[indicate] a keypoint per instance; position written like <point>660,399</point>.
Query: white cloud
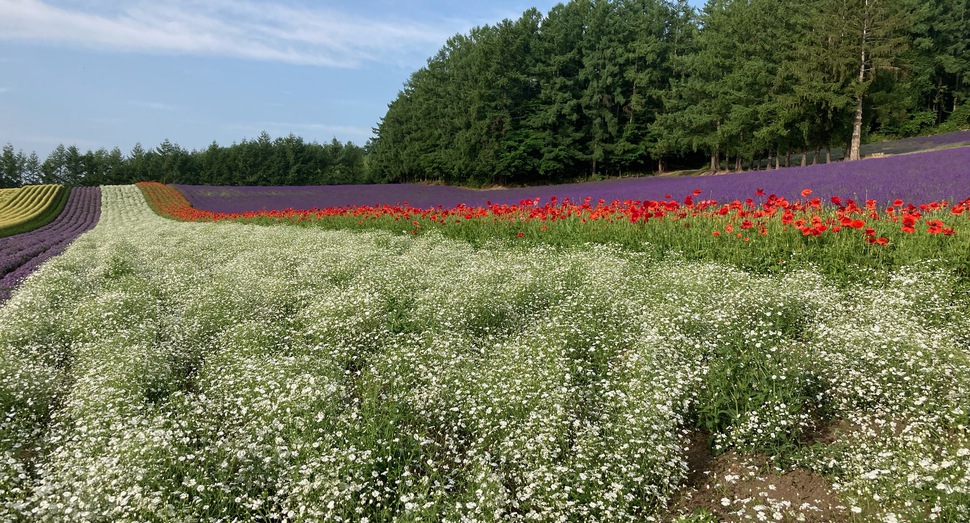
<point>246,29</point>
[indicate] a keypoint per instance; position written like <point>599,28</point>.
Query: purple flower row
<point>916,178</point>
<point>22,254</point>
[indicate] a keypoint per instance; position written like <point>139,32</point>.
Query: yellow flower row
<point>20,207</point>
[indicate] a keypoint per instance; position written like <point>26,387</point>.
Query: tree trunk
<point>660,166</point>
<point>856,142</point>
<point>818,150</point>
<point>939,102</point>
<point>714,160</point>
<point>777,160</point>
<point>828,154</point>
<point>787,157</point>
<point>804,157</point>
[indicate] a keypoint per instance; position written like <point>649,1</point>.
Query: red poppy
<point>806,192</point>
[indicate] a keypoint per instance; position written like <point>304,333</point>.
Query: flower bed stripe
<point>920,177</point>
<point>22,254</point>
<point>31,207</point>
<point>6,194</point>
<point>764,232</point>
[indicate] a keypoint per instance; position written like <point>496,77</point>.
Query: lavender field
<point>919,177</point>
<point>22,254</point>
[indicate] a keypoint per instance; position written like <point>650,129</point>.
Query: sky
<point>111,73</point>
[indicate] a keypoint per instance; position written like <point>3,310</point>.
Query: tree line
<point>601,87</point>
<point>610,88</point>
<point>286,160</point>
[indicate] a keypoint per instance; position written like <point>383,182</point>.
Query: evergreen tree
<point>556,120</point>
<point>11,167</point>
<point>867,37</point>
<point>54,168</point>
<point>939,61</point>
<point>32,173</point>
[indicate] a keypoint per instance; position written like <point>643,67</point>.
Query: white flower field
<point>169,371</point>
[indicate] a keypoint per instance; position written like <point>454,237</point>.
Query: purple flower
<point>915,178</point>
<point>22,254</point>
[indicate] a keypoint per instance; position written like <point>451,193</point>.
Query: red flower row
<point>809,216</point>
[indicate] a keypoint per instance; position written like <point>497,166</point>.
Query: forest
<point>609,88</point>
<point>264,161</point>
<point>599,88</point>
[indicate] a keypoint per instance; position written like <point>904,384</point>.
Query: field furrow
<point>31,207</point>
<point>23,253</point>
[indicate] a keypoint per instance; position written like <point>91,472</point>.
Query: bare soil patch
<point>740,487</point>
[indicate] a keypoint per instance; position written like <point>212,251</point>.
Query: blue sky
<point>106,73</point>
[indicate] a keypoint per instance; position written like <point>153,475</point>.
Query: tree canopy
<point>286,160</point>
<point>610,87</point>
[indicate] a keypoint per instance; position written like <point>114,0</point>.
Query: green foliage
<point>755,383</point>
<point>286,160</point>
<point>12,166</point>
<point>535,100</point>
<point>609,88</point>
<point>780,250</point>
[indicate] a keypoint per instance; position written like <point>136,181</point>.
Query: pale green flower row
<point>174,371</point>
